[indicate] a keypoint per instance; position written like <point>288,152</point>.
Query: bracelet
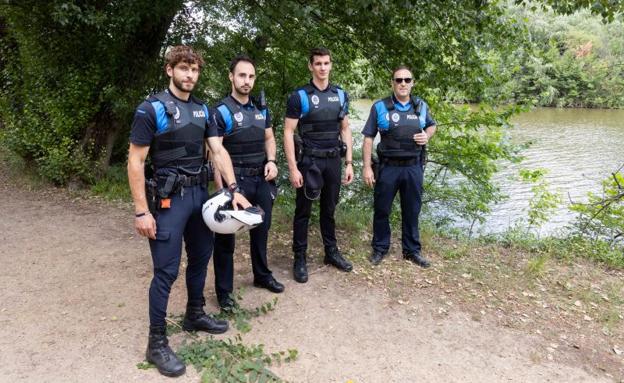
<point>348,163</point>
<point>139,215</point>
<point>272,161</point>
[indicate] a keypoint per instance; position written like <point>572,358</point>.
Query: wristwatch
<point>348,163</point>
<point>233,188</point>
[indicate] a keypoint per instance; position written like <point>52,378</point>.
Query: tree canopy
<point>73,71</point>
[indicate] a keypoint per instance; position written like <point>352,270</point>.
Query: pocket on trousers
<point>162,235</point>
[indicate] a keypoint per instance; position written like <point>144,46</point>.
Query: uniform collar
<point>329,85</point>
<point>248,105</point>
<point>179,99</point>
<point>401,106</point>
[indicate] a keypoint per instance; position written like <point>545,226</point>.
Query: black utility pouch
<point>343,149</point>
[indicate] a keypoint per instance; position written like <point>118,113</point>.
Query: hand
<point>146,226</point>
<point>421,138</point>
<point>348,176</point>
<point>296,179</point>
<point>239,200</point>
<point>369,176</point>
<point>270,171</point>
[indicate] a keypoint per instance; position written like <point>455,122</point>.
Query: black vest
<point>244,133</point>
<point>397,128</point>
<point>180,128</point>
<point>321,114</point>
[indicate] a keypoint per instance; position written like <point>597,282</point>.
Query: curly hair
<point>182,53</point>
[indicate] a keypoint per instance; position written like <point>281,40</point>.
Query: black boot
<point>159,353</point>
<point>334,258</point>
<point>195,319</point>
<point>300,270</point>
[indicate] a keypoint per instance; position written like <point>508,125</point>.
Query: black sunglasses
<point>407,80</point>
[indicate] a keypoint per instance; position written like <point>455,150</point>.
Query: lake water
<point>578,147</point>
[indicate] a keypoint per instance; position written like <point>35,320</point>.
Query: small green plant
<point>229,360</point>
<point>536,266</point>
<point>241,316</point>
<point>544,202</point>
<point>232,361</point>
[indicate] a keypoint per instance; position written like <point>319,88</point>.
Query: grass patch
<point>114,185</point>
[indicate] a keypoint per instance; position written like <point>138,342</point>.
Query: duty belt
<point>399,162</point>
<point>249,172</point>
<point>187,181</point>
<point>322,153</point>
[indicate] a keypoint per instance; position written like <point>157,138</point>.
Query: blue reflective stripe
<point>341,96</point>
<point>305,106</point>
<point>383,122</point>
<point>263,111</point>
<point>206,112</point>
<point>423,115</point>
<point>227,118</point>
<point>162,122</point>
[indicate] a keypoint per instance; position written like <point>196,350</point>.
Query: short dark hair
<point>239,58</point>
<point>319,51</point>
<point>401,67</point>
<point>182,53</point>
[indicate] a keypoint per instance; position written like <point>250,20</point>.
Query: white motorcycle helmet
<point>220,218</point>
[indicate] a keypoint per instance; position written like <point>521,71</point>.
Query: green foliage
<point>463,156</point>
<point>602,217</point>
<point>232,361</point>
<point>241,316</point>
<point>565,61</point>
<point>75,74</point>
<point>544,202</point>
<point>229,360</point>
<point>568,247</point>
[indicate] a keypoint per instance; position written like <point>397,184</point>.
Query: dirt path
<point>73,308</point>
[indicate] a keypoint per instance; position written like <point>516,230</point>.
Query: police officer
<point>405,126</point>
<point>247,134</point>
<point>172,127</point>
<point>318,110</point>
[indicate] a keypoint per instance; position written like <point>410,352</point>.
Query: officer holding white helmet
<point>244,125</point>
<point>172,127</point>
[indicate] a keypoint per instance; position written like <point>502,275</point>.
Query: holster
<point>151,195</point>
<point>298,147</point>
<point>343,149</point>
<point>376,165</point>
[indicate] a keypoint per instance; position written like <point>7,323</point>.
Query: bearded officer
<point>247,134</point>
<point>172,127</point>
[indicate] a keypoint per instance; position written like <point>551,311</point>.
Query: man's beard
<point>180,86</point>
<point>241,91</point>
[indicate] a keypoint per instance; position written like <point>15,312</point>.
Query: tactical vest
<point>321,113</point>
<point>397,128</point>
<point>244,133</point>
<point>179,139</point>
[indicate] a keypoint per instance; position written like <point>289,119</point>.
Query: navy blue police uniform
<point>401,168</point>
<point>176,131</point>
<point>320,112</point>
<point>243,128</point>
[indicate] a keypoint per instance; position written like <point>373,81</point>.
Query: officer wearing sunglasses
<point>405,126</point>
